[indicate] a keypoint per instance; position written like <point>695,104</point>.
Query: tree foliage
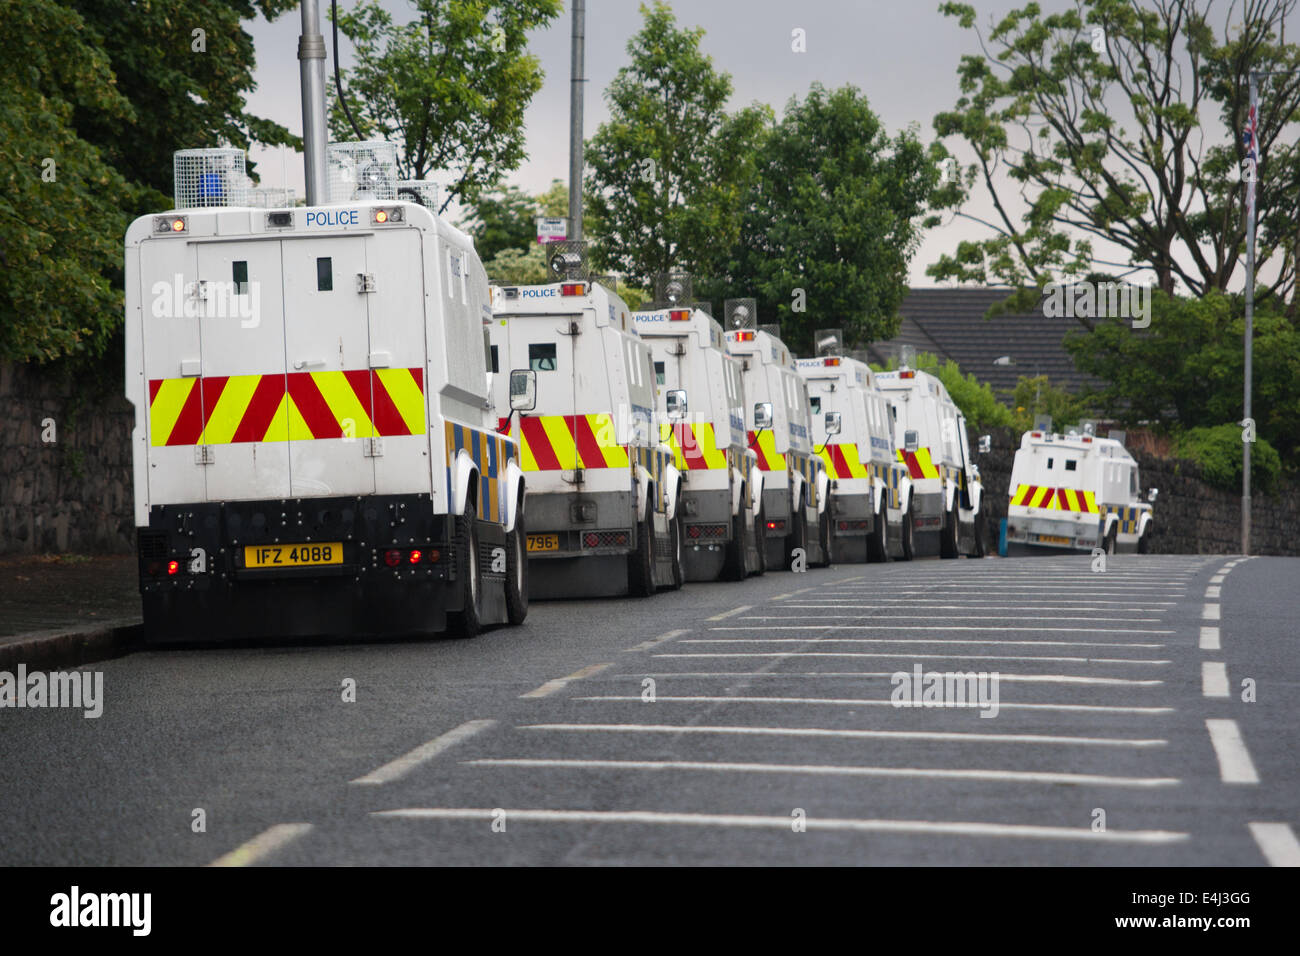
<point>1217,449</point>
<point>1119,121</point>
<point>449,88</point>
<point>506,218</point>
<point>832,219</point>
<point>668,171</point>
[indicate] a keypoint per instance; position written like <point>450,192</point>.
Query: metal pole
<point>575,119</point>
<point>311,71</point>
<point>1250,304</point>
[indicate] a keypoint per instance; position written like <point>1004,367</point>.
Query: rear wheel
<point>948,537</point>
<point>824,538</point>
<point>1109,544</point>
<point>908,530</point>
<point>797,539</point>
<point>878,540</point>
<point>760,540</point>
<point>468,621</point>
<point>640,563</point>
<point>1144,542</point>
<point>733,563</point>
<point>678,543</point>
<point>980,550</point>
<point>517,570</point>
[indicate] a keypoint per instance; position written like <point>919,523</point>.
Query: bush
<point>1217,450</point>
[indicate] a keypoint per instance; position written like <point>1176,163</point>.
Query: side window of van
<point>541,356</point>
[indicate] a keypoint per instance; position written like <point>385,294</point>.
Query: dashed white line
<point>1002,676</point>
<point>1211,612</point>
<point>1212,592</point>
<point>263,845</point>
<point>939,627</point>
<point>909,655</point>
<point>953,736</point>
<point>551,686</point>
<point>1218,578</point>
<point>657,818</point>
<point>1277,842</point>
<point>908,640</point>
<point>832,770</point>
<point>403,765</point>
<point>873,702</point>
<point>1235,765</point>
<point>1214,679</point>
<point>734,611</point>
<point>655,642</point>
<point>1210,639</point>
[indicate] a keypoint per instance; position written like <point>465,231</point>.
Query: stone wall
<point>1191,516</point>
<point>72,493</point>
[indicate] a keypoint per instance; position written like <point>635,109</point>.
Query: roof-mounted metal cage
<point>268,197</point>
<point>362,171</point>
<point>741,313</point>
<point>771,328</point>
<point>422,191</point>
<point>567,259</point>
<point>829,342</point>
<point>673,290</point>
<point>209,177</point>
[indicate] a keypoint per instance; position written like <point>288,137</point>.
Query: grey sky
<point>902,54</point>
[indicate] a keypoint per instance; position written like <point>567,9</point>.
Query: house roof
<point>950,324</point>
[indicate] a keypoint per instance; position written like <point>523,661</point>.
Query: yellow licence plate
<point>1053,539</point>
<point>293,555</point>
<point>543,542</point>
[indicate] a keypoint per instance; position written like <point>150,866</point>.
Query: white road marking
<point>906,640</point>
<point>1212,591</point>
<point>551,686</point>
<point>1209,639</point>
<point>1277,842</point>
<point>908,655</point>
<point>957,736</point>
<point>726,614</point>
<point>263,845</point>
<point>403,765</point>
<point>872,702</point>
<point>1214,679</point>
<point>754,821</point>
<point>939,627</point>
<point>932,773</point>
<point>930,616</point>
<point>1235,765</point>
<point>961,609</point>
<point>1218,578</point>
<point>655,642</point>
<point>1002,676</point>
<point>1211,612</point>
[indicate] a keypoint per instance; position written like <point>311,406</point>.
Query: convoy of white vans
<point>341,427</point>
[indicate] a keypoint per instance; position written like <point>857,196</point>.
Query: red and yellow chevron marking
<point>694,446</point>
<point>564,442</point>
<point>765,448</point>
<point>299,406</point>
<point>842,461</point>
<point>918,463</point>
<point>1055,499</point>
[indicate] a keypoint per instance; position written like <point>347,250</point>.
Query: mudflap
<point>492,573</point>
<point>602,575</point>
<point>925,544</point>
<point>663,564</point>
<point>704,563</point>
<point>851,548</point>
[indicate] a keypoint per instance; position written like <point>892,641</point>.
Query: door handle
<point>309,363</point>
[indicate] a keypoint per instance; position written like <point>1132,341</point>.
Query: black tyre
<point>678,545</point>
<point>878,539</point>
<point>734,567</point>
<point>641,562</point>
<point>907,534</point>
<point>948,537</point>
<point>1144,542</point>
<point>1111,536</point>
<point>980,550</point>
<point>824,538</point>
<point>467,622</point>
<point>798,536</point>
<point>760,540</point>
<point>517,571</point>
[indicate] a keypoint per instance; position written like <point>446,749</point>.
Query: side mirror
<point>833,423</point>
<point>1151,495</point>
<point>676,404</point>
<point>762,416</point>
<point>523,390</point>
<point>986,444</point>
<point>910,441</point>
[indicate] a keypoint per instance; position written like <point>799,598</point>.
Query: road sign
<point>551,230</point>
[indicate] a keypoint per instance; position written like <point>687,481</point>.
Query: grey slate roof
<point>950,323</point>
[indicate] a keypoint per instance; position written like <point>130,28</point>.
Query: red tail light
<point>679,315</point>
<point>591,540</point>
<point>173,567</point>
<point>392,558</point>
<point>414,557</point>
<point>573,288</point>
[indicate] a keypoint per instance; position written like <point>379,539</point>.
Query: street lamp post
<point>1252,158</point>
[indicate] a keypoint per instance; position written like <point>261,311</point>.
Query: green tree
<point>449,88</point>
<point>832,220</point>
<point>1094,116</point>
<point>1217,450</point>
<point>1035,395</point>
<point>60,201</point>
<point>186,89</point>
<point>668,171</point>
<point>1186,369</point>
<point>506,218</point>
